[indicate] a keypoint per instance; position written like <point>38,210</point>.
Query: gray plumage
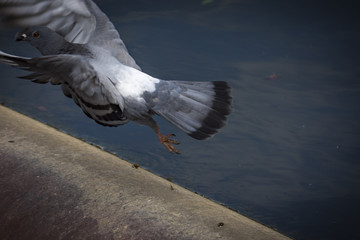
<point>83,52</point>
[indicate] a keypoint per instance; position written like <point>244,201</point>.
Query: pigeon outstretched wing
<point>79,81</point>
<point>78,21</point>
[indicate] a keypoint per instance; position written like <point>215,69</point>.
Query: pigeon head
<point>47,41</point>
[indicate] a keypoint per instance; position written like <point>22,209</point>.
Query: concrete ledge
<point>53,186</point>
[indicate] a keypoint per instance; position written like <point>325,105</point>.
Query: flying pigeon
<point>82,51</point>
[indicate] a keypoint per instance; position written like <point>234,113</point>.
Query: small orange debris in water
<point>42,108</point>
<point>272,77</point>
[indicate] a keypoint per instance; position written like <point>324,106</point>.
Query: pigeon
<point>82,51</point>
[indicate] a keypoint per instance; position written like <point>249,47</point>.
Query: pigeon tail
<point>197,108</point>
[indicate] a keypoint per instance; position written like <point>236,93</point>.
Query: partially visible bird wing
<point>79,81</point>
<point>70,18</point>
<point>78,21</point>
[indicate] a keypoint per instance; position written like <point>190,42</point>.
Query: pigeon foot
<point>168,142</point>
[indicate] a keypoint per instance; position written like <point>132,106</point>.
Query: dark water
<point>289,156</point>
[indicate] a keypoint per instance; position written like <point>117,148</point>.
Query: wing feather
<point>97,97</point>
<point>78,21</point>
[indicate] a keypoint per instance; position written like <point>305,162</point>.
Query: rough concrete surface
<point>54,186</point>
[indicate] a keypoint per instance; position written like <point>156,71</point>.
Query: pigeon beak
<point>20,37</point>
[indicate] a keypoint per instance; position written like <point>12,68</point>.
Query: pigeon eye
<point>36,34</point>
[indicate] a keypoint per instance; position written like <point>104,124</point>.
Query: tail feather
<point>197,108</point>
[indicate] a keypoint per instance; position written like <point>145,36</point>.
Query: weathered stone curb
<point>54,186</point>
